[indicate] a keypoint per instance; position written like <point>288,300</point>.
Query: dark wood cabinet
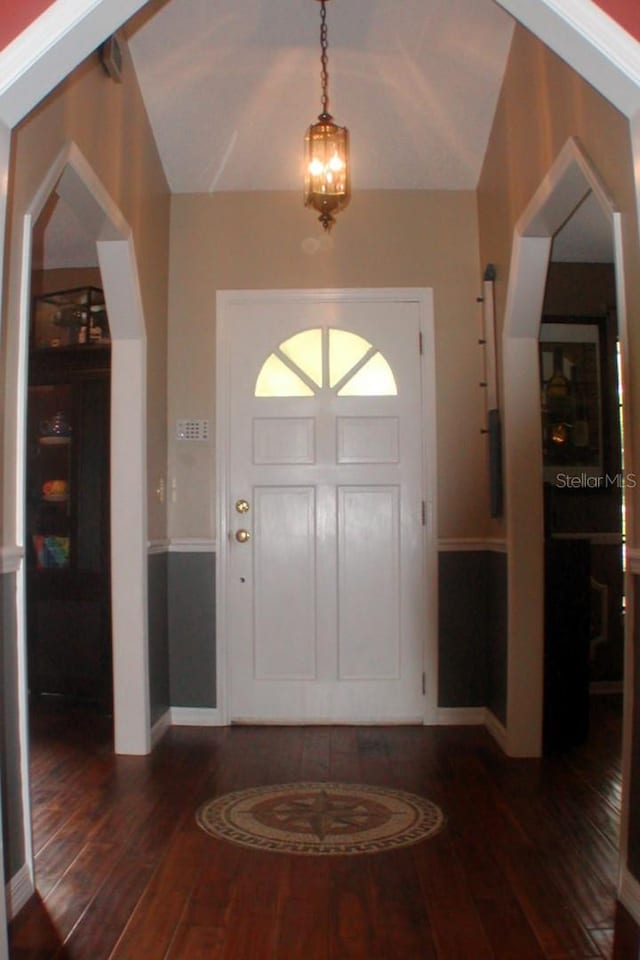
<point>567,640</point>
<point>67,518</point>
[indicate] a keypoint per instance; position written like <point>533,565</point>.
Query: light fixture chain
<point>324,59</point>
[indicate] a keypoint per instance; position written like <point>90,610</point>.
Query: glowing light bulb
<point>336,163</point>
<point>316,167</point>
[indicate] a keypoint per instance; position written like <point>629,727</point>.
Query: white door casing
<point>324,612</point>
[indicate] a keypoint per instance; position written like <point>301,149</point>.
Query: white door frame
<point>424,299</point>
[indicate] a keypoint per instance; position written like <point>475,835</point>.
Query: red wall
<point>15,15</point>
<point>626,12</point>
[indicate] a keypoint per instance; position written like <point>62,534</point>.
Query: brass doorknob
<point>242,506</point>
<point>242,536</point>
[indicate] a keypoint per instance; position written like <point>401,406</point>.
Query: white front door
<point>325,582</point>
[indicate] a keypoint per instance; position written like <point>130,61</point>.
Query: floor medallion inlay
<point>321,818</point>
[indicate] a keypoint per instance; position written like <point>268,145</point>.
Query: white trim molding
<point>497,729</point>
<point>590,41</point>
<point>196,717</point>
<point>52,46</point>
<point>192,545</point>
<point>11,559</point>
<point>469,545</point>
<point>160,727</point>
<point>473,717</point>
<point>629,893</point>
<point>181,545</point>
<point>157,546</point>
<point>19,889</point>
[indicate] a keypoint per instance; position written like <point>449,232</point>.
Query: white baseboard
<point>460,716</point>
<point>497,729</point>
<point>473,717</point>
<point>19,889</point>
<point>629,894</point>
<point>196,717</point>
<point>160,727</point>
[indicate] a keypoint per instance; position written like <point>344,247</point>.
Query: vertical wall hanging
<point>489,383</point>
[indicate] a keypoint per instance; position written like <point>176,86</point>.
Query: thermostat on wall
<point>192,429</point>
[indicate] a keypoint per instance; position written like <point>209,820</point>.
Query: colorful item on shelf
<point>55,488</point>
<point>51,551</point>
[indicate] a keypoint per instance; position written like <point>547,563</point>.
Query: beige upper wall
<point>384,239</point>
<point>109,124</point>
<point>542,104</point>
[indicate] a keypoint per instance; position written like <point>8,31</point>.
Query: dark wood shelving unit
<point>67,517</point>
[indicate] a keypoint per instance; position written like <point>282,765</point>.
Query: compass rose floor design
<point>321,818</point>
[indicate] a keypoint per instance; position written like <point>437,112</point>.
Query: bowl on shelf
<point>55,490</point>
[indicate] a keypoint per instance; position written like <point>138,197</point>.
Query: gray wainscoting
<point>159,682</point>
<point>497,635</point>
<point>192,629</point>
<point>473,630</point>
<point>14,851</point>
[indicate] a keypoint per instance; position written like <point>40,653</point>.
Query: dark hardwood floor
<point>525,868</point>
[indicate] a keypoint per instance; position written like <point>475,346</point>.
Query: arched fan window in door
<point>317,359</point>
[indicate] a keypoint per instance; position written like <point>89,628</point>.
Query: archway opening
<point>71,179</point>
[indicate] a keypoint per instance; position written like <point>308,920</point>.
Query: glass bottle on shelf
<point>49,476</point>
<point>559,405</point>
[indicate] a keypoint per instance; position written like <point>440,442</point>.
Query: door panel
<point>284,583</point>
<point>368,583</point>
<point>367,439</point>
<point>326,601</point>
<point>283,440</point>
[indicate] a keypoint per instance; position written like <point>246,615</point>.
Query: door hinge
<point>424,684</point>
<point>424,514</point>
<point>420,342</point>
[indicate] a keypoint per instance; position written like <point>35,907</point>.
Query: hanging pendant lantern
<point>327,186</point>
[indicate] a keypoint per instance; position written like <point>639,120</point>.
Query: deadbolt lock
<point>242,506</point>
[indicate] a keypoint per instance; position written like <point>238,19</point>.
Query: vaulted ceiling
<point>231,86</point>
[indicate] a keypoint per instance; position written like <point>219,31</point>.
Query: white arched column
<point>71,178</point>
<point>570,179</point>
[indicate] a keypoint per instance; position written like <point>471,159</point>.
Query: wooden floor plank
<point>454,918</point>
<point>304,912</point>
<point>399,909</point>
